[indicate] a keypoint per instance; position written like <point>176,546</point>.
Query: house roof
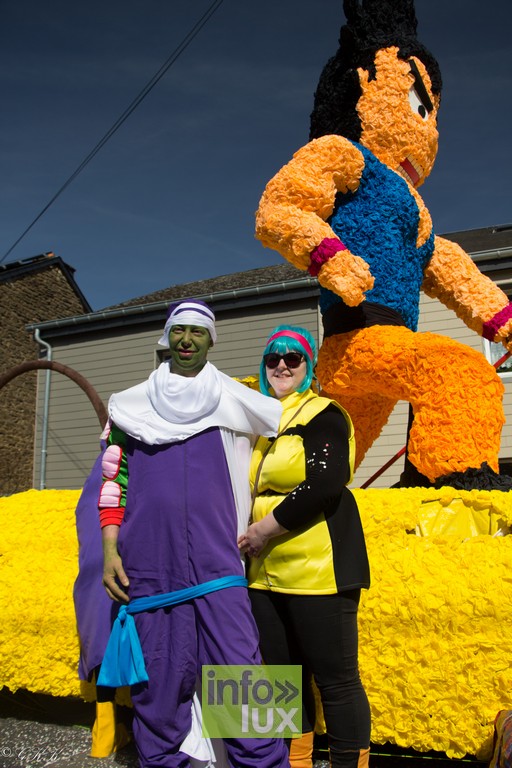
<point>483,240</point>
<point>13,270</point>
<point>252,278</point>
<point>488,242</point>
<point>225,293</point>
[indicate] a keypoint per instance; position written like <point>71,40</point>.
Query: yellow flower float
<point>435,626</point>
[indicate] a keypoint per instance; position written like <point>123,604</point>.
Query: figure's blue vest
<point>379,222</point>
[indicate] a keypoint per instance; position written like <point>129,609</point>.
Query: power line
<point>128,111</point>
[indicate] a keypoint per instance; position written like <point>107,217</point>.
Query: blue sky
<point>171,197</point>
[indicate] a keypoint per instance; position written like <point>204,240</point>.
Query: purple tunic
<point>180,525</point>
<point>179,530</point>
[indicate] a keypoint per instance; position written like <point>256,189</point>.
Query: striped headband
<point>298,337</point>
<point>189,313</point>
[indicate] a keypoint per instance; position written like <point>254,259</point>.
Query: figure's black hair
<point>371,25</point>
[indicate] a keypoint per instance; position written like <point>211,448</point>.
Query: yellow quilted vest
<point>300,561</point>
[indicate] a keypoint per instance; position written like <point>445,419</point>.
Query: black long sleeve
<point>326,449</point>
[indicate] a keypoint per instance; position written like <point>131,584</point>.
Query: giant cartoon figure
<point>346,208</point>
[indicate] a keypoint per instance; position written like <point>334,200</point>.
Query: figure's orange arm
<point>293,210</point>
<point>454,279</point>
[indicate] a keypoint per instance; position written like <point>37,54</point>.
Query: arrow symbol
<point>288,691</point>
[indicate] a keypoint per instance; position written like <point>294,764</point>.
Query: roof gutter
<point>494,253</point>
<point>222,300</point>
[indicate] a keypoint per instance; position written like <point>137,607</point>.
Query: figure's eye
<point>419,98</point>
<point>417,106</point>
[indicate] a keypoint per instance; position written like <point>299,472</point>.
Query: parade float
<point>435,627</point>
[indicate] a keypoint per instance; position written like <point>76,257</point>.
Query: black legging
<point>320,633</point>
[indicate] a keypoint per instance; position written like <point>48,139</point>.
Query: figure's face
<point>399,115</point>
<point>189,345</point>
<point>285,378</point>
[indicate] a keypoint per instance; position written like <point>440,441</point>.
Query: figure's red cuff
<point>111,516</point>
<point>491,327</point>
<point>328,248</point>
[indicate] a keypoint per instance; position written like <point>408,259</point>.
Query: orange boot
<point>301,751</point>
<point>364,758</point>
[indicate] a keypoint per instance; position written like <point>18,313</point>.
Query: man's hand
<point>347,276</point>
<point>113,571</point>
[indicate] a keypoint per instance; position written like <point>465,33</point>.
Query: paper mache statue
<point>346,208</point>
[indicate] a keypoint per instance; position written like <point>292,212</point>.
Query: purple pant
<point>214,629</point>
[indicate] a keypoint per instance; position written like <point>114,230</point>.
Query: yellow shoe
<point>107,735</point>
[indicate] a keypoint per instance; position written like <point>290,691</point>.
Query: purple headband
<point>189,312</point>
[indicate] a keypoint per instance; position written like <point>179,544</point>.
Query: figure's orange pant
<point>456,395</point>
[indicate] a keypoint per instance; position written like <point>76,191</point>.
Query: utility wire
<point>128,111</point>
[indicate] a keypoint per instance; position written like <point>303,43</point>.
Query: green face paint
<point>189,345</point>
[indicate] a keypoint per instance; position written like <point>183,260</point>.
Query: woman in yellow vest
<point>308,558</point>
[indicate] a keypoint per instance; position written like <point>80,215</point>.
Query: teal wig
<point>299,340</point>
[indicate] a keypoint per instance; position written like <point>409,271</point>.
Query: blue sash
<point>123,662</point>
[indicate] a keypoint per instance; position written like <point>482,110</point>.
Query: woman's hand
<point>253,540</point>
<point>113,571</point>
<point>256,537</point>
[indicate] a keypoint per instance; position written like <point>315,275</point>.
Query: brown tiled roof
<point>249,279</point>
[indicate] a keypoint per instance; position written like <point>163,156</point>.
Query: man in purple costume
<point>174,498</point>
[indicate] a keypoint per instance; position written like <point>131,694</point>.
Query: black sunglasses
<point>291,359</point>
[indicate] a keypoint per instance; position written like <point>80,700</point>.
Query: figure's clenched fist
<point>348,276</point>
